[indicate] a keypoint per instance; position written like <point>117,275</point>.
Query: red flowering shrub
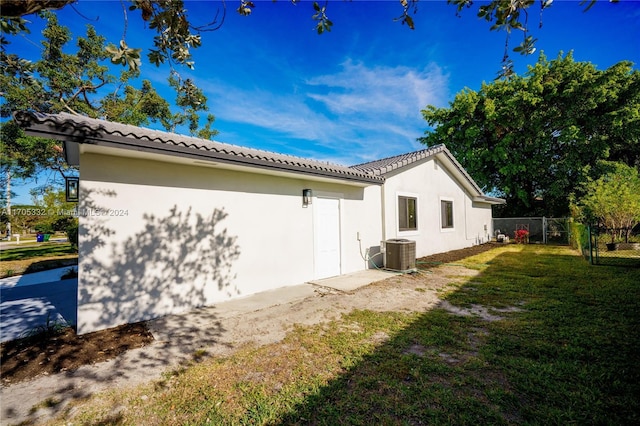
<point>521,236</point>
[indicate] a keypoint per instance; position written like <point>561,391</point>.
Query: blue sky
<point>353,94</point>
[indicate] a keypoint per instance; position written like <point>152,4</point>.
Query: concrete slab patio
<point>353,281</point>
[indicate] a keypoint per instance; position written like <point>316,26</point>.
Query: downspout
<point>466,225</point>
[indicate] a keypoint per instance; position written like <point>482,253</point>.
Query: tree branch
<point>18,8</point>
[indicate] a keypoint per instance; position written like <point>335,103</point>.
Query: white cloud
<point>355,115</point>
<point>397,91</point>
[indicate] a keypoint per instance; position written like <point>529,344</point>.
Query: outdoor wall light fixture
<point>306,197</point>
<point>72,189</point>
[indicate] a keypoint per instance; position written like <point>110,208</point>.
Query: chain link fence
<point>542,230</point>
<point>615,247</point>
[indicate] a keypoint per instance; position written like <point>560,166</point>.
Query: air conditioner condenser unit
<point>400,255</point>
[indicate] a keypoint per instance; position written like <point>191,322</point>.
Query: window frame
<point>407,230</point>
<point>445,214</point>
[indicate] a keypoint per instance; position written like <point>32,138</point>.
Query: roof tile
<point>90,130</point>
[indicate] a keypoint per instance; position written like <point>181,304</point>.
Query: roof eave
<point>490,200</point>
<point>67,132</point>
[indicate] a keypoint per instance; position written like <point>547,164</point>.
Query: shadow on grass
<point>565,351</point>
<point>45,265</point>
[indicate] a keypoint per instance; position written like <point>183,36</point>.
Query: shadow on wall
<point>176,262</point>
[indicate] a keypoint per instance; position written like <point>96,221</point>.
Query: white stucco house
<point>169,222</point>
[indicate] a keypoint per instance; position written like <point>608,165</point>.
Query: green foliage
<point>44,228</point>
<point>533,139</point>
<point>59,214</point>
<point>579,235</point>
<point>52,327</point>
<point>323,23</point>
<point>612,200</point>
<point>24,218</point>
<point>72,234</point>
<point>124,55</point>
<point>75,81</point>
<point>22,156</point>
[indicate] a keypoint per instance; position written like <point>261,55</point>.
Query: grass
<point>21,260</point>
<point>41,250</point>
<point>569,354</point>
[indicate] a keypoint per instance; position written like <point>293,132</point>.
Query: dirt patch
<point>55,352</point>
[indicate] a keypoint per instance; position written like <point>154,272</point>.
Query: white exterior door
<point>327,237</point>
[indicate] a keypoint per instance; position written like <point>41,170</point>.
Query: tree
<point>533,139</point>
<point>22,157</point>
<point>59,214</point>
<point>81,82</point>
<point>612,200</point>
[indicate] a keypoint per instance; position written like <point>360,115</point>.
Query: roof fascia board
<point>459,171</point>
<point>489,200</point>
<point>70,133</point>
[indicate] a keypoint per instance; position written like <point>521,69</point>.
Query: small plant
<point>50,328</point>
<point>199,355</point>
<point>521,236</point>
<point>50,402</point>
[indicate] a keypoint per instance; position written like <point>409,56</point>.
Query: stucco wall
<point>430,182</point>
<point>159,238</point>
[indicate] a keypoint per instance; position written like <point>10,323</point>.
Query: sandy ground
<point>219,336</point>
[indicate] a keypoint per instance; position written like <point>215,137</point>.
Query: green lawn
<point>566,351</point>
<point>28,259</point>
<point>41,250</point>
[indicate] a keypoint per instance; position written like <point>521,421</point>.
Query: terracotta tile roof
<point>82,129</point>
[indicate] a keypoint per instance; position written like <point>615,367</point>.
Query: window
<point>446,214</point>
<point>407,213</point>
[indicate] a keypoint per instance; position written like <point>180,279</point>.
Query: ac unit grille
<point>400,255</point>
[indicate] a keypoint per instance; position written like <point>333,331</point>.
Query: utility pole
<point>8,205</point>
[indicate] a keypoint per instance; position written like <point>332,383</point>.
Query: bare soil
<point>129,355</point>
<point>55,351</point>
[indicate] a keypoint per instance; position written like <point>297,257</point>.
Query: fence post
<point>590,246</point>
<point>545,229</point>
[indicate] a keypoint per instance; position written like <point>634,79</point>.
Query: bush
<point>579,237</point>
<point>72,234</point>
<point>44,228</point>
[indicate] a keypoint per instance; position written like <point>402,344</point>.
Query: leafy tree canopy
<point>82,82</point>
<point>79,79</point>
<point>534,139</point>
<point>612,200</point>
